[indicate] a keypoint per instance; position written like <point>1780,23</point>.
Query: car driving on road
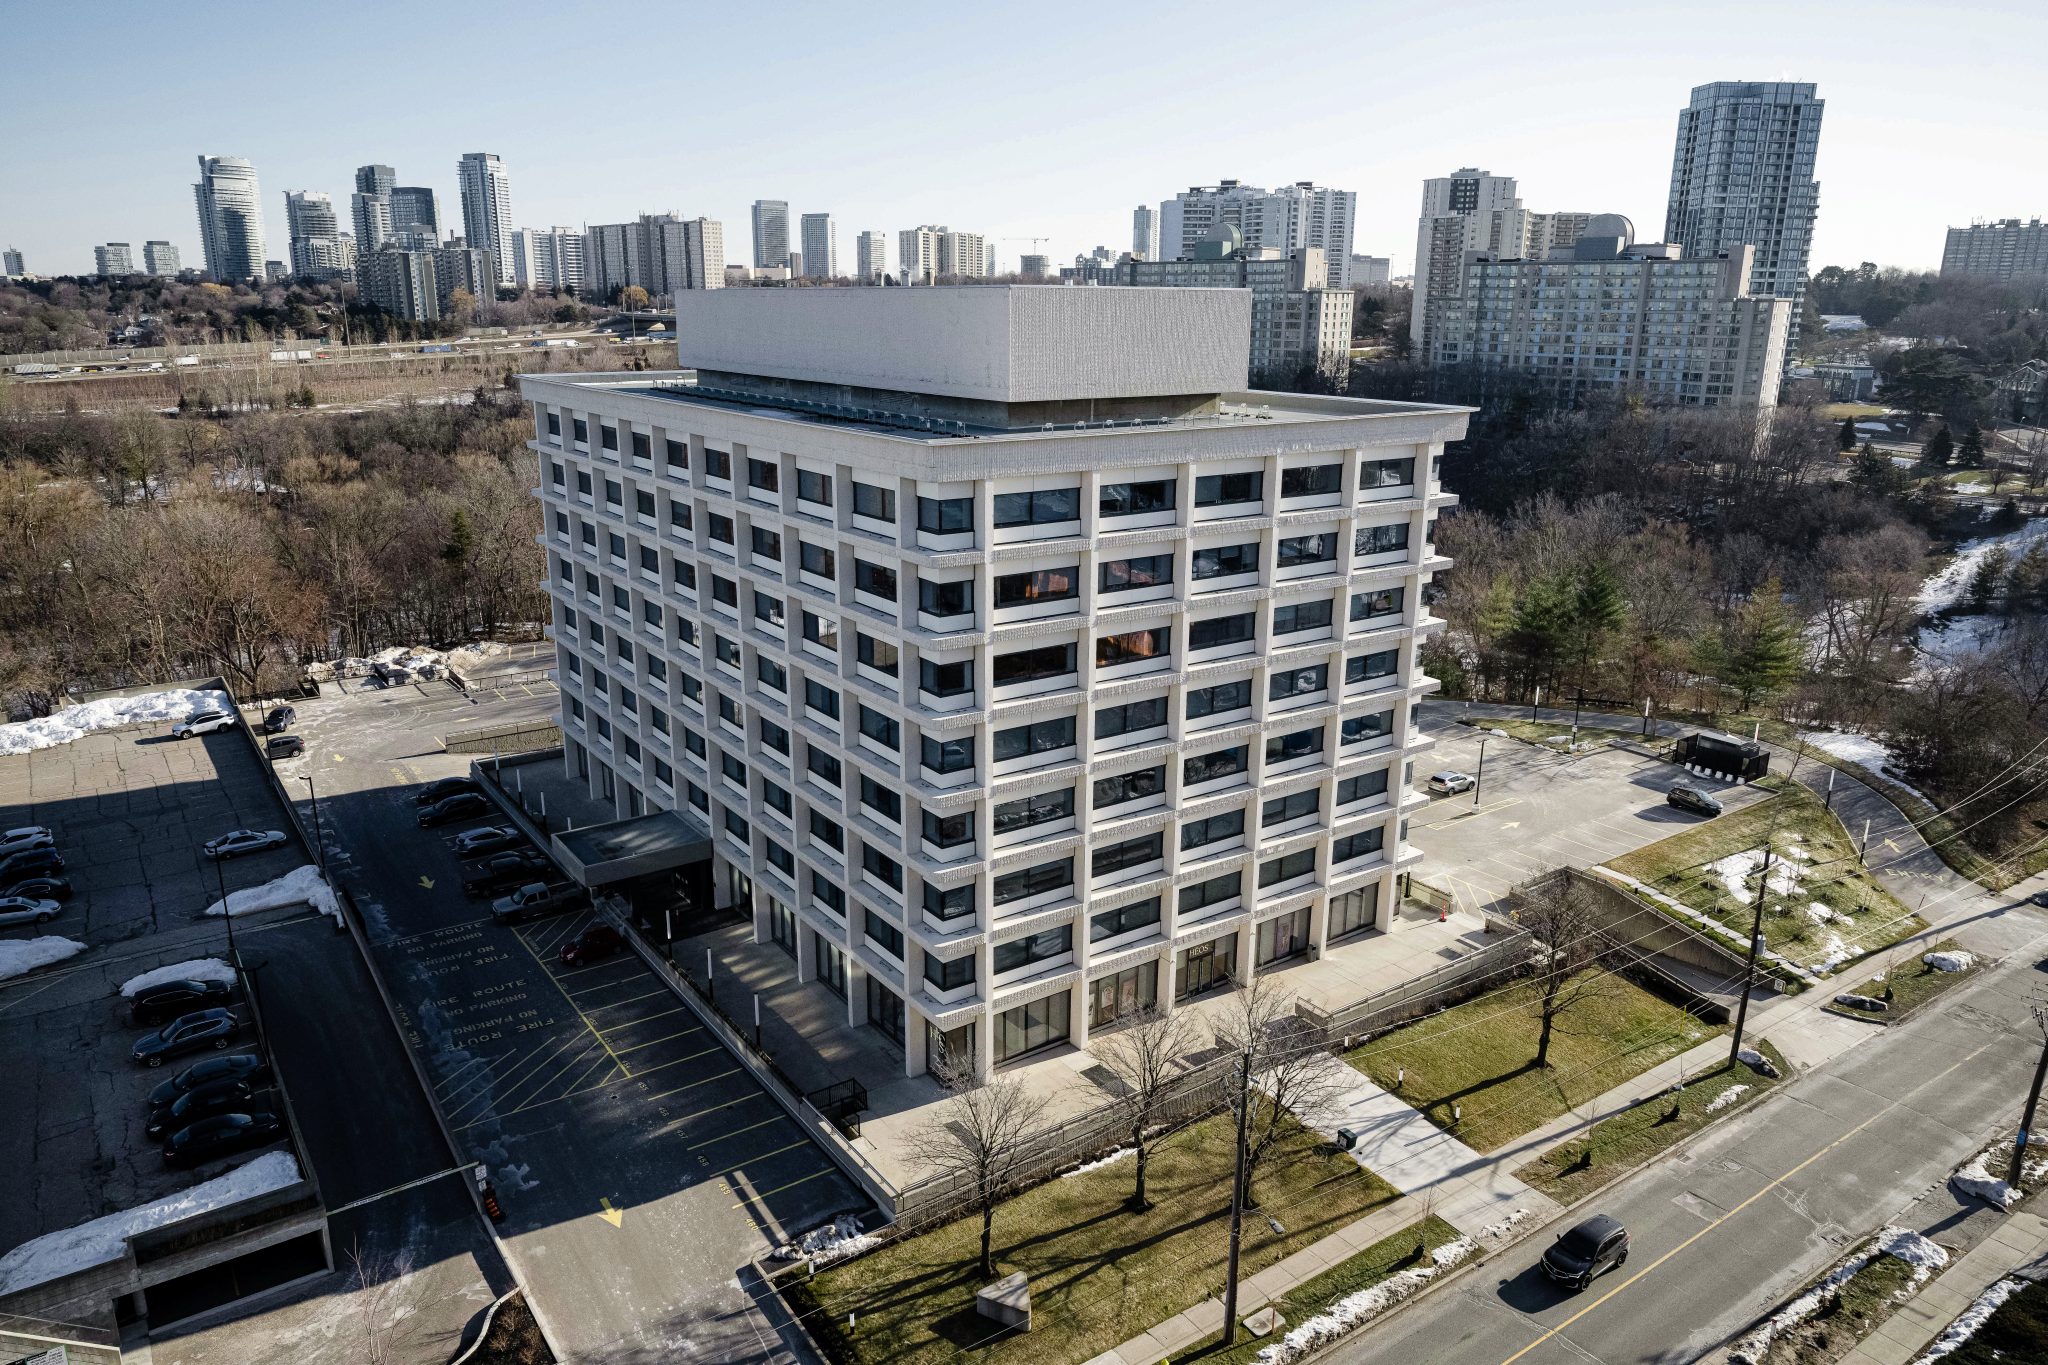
<point>1577,1257</point>
<point>187,1033</point>
<point>236,842</point>
<point>205,723</point>
<point>27,910</point>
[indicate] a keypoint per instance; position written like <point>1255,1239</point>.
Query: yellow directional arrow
<point>1512,824</point>
<point>616,1217</point>
<point>427,882</point>
<point>339,759</point>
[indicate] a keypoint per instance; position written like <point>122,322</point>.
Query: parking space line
<point>665,1038</point>
<point>576,1059</point>
<point>570,1003</point>
<point>634,975</point>
<point>659,989</point>
<point>722,1137</point>
<point>575,923</point>
<point>600,966</point>
<point>536,1104</point>
<point>541,1052</point>
<point>680,1009</point>
<point>716,1076</point>
<point>761,1156</point>
<point>801,1180</point>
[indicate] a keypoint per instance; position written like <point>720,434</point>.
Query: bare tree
<point>1290,1073</point>
<point>383,1291</point>
<point>1562,920</point>
<point>975,1136</point>
<point>1146,1056</point>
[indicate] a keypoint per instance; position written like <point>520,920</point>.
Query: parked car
<point>221,1135</point>
<point>205,723</point>
<point>283,746</point>
<point>169,999</point>
<point>19,832</point>
<point>1449,783</point>
<point>24,839</point>
<point>27,910</point>
<point>1692,799</point>
<point>534,900</point>
<point>226,1096</point>
<point>443,789</point>
<point>241,1066</point>
<point>448,809</point>
<point>1599,1244</point>
<point>279,720</point>
<point>236,842</point>
<point>475,843</point>
<point>39,888</point>
<point>187,1033</point>
<point>31,862</point>
<point>504,870</point>
<point>598,941</point>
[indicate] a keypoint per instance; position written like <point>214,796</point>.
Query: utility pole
<point>1756,940</point>
<point>1479,776</point>
<point>1244,1092</point>
<point>2019,1145</point>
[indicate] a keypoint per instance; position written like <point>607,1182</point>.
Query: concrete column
<point>856,983</point>
<point>758,913</point>
<point>1077,1004</point>
<point>914,1048</point>
<point>806,953</point>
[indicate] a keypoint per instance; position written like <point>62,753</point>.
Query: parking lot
<point>1537,809</point>
<point>639,1164</point>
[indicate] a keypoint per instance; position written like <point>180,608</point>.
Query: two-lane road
<point>1743,1217</point>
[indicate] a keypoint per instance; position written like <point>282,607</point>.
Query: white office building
<point>771,232</point>
<point>2006,250</point>
<point>659,252</point>
<point>230,204</point>
<point>487,209</point>
<point>113,260</point>
<point>1742,175</point>
<point>161,260</point>
<point>820,246</point>
<point>931,251</point>
<point>1145,232</point>
<point>1298,215</point>
<point>1474,210</point>
<point>871,255</point>
<point>1370,270</point>
<point>1002,719</point>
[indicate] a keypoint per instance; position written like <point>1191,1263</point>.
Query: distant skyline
<point>1052,122</point>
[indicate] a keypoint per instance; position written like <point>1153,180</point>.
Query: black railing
<point>841,1104</point>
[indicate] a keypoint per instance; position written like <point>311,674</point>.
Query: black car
<point>1576,1257</point>
<point>1693,799</point>
<point>228,1096</point>
<point>187,1033</point>
<point>152,1005</point>
<point>279,720</point>
<point>505,870</point>
<point>50,888</point>
<point>460,806</point>
<point>221,1135</point>
<point>31,862</point>
<point>240,1066</point>
<point>283,746</point>
<point>445,788</point>
<point>475,843</point>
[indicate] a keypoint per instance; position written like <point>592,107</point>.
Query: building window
<point>1368,606</point>
<point>1361,787</point>
<point>1359,845</point>
<point>1353,911</point>
<point>1038,586</point>
<point>1034,665</point>
<point>874,579</point>
<point>816,559</point>
<point>947,756</point>
<point>1216,829</point>
<point>1212,767</point>
<point>1310,481</point>
<point>1386,473</point>
<point>1027,1028</point>
<point>1225,561</point>
<point>944,598</point>
<point>767,544</point>
<point>828,895</point>
<point>1137,786</point>
<point>821,630</point>
<point>1133,647</point>
<point>821,698</point>
<point>811,486</point>
<point>876,504</point>
<point>1135,499</point>
<point>947,975</point>
<point>1045,946</point>
<point>1040,737</point>
<point>763,475</point>
<point>1130,718</point>
<point>1286,868</point>
<point>1300,744</point>
<point>1294,806</point>
<point>1283,937</point>
<point>1216,890</point>
<point>1033,881</point>
<point>721,528</point>
<point>883,869</point>
<point>1384,663</point>
<point>1362,729</point>
<point>881,729</point>
<point>945,516</point>
<point>1296,617</point>
<point>678,455</point>
<point>880,799</point>
<point>1297,682</point>
<point>938,679</point>
<point>1220,699</point>
<point>1129,575</point>
<point>1219,490</point>
<point>826,831</point>
<point>1125,919</point>
<point>555,426</point>
<point>1381,540</point>
<point>608,437</point>
<point>1206,966</point>
<point>1111,859</point>
<point>768,610</point>
<point>718,464</point>
<point>885,1011</point>
<point>1039,808</point>
<point>949,904</point>
<point>1297,551</point>
<point>880,655</point>
<point>949,831</point>
<point>1218,631</point>
<point>1044,507</point>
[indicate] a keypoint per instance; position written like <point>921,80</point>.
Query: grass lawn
<point>1860,1307</point>
<point>1814,872</point>
<point>2013,1333</point>
<point>1913,983</point>
<point>1099,1273</point>
<point>1835,412</point>
<point>1542,732</point>
<point>1479,1055</point>
<point>1621,1144</point>
<point>1367,1268</point>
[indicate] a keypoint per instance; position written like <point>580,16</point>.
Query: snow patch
<point>300,886</point>
<point>835,1241</point>
<point>1502,1228</point>
<point>1736,869</point>
<point>1835,953</point>
<point>403,663</point>
<point>1956,961</point>
<point>1353,1309</point>
<point>70,1250</point>
<point>1944,590</point>
<point>1974,1177</point>
<point>1726,1098</point>
<point>19,957</point>
<point>198,969</point>
<point>1120,1154</point>
<point>109,713</point>
<point>1865,751</point>
<point>1910,1247</point>
<point>1973,1317</point>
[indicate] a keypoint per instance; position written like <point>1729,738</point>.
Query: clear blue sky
<point>1047,120</point>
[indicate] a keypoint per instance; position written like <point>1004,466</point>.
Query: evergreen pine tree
<point>460,540</point>
<point>1763,651</point>
<point>1872,472</point>
<point>1845,440</point>
<point>1970,455</point>
<point>1938,448</point>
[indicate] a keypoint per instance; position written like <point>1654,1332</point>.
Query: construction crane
<point>1033,240</point>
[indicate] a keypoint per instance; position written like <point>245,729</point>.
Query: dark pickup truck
<point>503,871</point>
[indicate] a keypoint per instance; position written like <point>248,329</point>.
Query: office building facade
<point>1034,267</point>
<point>771,232</point>
<point>1298,328</point>
<point>1145,232</point>
<point>871,255</point>
<point>161,260</point>
<point>230,204</point>
<point>1002,722</point>
<point>11,263</point>
<point>1370,270</point>
<point>402,283</point>
<point>113,260</point>
<point>659,252</point>
<point>933,251</point>
<point>487,209</point>
<point>820,246</point>
<point>1608,318</point>
<point>318,248</point>
<point>1299,215</point>
<point>415,215</point>
<point>1742,175</point>
<point>1475,210</point>
<point>1999,252</point>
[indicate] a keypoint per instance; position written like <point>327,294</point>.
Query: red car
<point>599,940</point>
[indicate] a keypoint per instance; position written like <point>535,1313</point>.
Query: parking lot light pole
<point>1480,776</point>
<point>220,873</point>
<point>319,841</point>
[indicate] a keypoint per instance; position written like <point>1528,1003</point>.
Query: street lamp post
<point>1480,776</point>
<point>319,840</point>
<point>220,873</point>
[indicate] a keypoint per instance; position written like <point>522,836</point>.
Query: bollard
<point>757,1021</point>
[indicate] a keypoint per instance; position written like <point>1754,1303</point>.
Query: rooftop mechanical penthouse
<point>1021,667</point>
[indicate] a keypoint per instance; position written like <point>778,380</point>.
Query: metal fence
<point>1468,975</point>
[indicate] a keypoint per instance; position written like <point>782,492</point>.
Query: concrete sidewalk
<point>2021,1244</point>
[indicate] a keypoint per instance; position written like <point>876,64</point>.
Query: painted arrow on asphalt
<point>616,1217</point>
<point>427,882</point>
<point>1512,824</point>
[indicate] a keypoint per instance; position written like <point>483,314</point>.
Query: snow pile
<point>300,886</point>
<point>1820,914</point>
<point>1909,1247</point>
<point>1353,1309</point>
<point>399,663</point>
<point>1974,1177</point>
<point>1505,1225</point>
<point>70,1250</point>
<point>835,1241</point>
<point>469,656</point>
<point>198,969</point>
<point>1085,1167</point>
<point>1956,961</point>
<point>1865,752</point>
<point>1756,1061</point>
<point>20,956</point>
<point>1944,590</point>
<point>109,713</point>
<point>1973,1317</point>
<point>1835,953</point>
<point>1736,869</point>
<point>1726,1098</point>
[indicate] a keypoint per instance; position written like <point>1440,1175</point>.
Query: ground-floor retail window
<point>1354,911</point>
<point>1122,994</point>
<point>1205,966</point>
<point>782,926</point>
<point>1283,937</point>
<point>885,1011</point>
<point>831,964</point>
<point>956,1045</point>
<point>739,890</point>
<point>1028,1028</point>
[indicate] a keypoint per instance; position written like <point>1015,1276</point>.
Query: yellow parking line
<point>535,1104</point>
<point>540,1052</point>
<point>575,1059</point>
<point>667,1038</point>
<point>762,1156</point>
<point>719,1076</point>
<point>680,1009</point>
<point>614,1004</point>
<point>801,1180</point>
<point>707,1142</point>
<point>571,1003</point>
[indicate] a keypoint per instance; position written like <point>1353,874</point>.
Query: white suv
<point>206,722</point>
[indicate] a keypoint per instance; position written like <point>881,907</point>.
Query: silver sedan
<point>235,843</point>
<point>27,910</point>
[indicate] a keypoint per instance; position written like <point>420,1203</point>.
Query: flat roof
<point>633,847</point>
